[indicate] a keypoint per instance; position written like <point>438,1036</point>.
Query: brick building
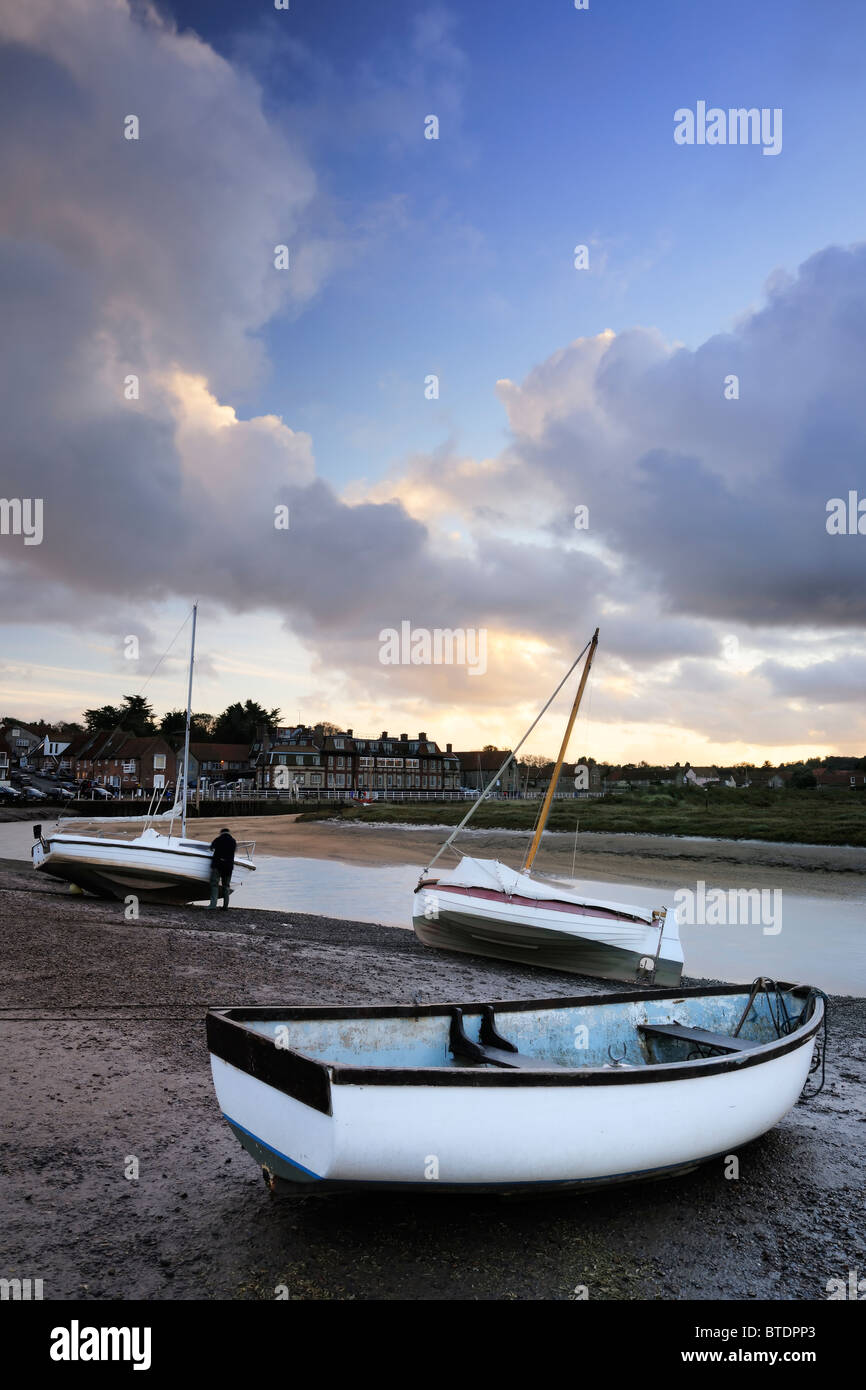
<point>479,765</point>
<point>126,763</point>
<point>216,762</point>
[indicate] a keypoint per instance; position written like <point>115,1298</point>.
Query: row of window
<point>130,765</point>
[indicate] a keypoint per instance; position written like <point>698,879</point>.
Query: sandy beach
<point>103,1031</point>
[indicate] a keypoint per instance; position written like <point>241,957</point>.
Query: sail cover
<point>489,874</point>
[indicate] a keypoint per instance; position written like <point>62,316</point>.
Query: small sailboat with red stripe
<point>484,908</point>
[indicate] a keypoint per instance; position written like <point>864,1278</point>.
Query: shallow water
<point>822,940</point>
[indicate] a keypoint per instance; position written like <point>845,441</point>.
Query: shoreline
<point>630,859</point>
<point>106,1057</point>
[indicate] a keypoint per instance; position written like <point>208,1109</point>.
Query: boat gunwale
<point>570,905</point>
<point>63,838</point>
<point>257,1055</point>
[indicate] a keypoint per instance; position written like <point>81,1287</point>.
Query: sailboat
<point>153,867</point>
<point>485,908</point>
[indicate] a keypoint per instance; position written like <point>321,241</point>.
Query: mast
<point>188,721</point>
<point>548,800</point>
<point>510,759</point>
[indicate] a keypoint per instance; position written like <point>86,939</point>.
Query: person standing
<point>222,864</point>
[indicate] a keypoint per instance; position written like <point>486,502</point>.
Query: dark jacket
<point>224,847</point>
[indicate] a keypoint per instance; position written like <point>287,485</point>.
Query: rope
<point>492,783</point>
<point>785,1024</point>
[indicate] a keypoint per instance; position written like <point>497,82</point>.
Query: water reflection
<point>822,941</point>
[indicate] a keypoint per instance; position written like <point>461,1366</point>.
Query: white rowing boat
<point>532,1094</point>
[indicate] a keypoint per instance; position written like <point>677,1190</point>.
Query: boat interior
<point>633,1033</point>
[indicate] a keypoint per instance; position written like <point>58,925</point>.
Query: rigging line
<point>586,732</point>
<point>165,653</point>
<point>492,783</point>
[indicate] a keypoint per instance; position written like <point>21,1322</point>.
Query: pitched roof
<point>488,761</point>
<point>133,746</point>
<point>221,752</point>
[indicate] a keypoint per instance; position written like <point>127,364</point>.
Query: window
<point>315,779</point>
<point>299,759</point>
<point>338,743</point>
<point>159,762</point>
<point>341,779</point>
<point>340,762</point>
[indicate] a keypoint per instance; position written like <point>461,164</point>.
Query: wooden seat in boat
<point>723,1042</point>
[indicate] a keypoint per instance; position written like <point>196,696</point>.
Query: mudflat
<point>106,1063</point>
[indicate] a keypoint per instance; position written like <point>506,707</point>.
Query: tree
<point>173,726</point>
<point>136,715</point>
<point>106,717</point>
<point>802,779</point>
<point>238,723</point>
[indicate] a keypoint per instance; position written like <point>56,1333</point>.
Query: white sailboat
<point>154,867</point>
<point>485,908</point>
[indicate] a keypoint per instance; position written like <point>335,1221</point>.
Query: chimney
<point>348,733</point>
<point>384,733</point>
<point>422,738</point>
<point>448,748</point>
<point>404,738</point>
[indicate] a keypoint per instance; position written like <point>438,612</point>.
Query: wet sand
<point>105,1054</point>
<point>640,859</point>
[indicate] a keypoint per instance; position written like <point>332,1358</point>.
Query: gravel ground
<point>103,1037</point>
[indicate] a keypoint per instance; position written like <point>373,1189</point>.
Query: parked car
<point>10,794</point>
<point>106,793</point>
<point>34,794</point>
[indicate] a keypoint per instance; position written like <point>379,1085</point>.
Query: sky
<point>692,380</point>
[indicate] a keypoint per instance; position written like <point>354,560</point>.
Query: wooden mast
<point>548,800</point>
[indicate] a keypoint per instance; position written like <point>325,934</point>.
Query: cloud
<point>155,258</point>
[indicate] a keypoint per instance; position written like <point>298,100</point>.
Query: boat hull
<point>475,927</point>
<point>118,869</point>
<point>483,1129</point>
